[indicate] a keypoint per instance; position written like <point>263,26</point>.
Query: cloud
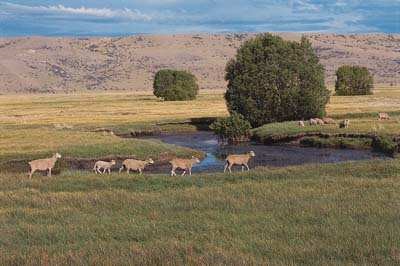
<point>163,16</point>
<point>99,13</point>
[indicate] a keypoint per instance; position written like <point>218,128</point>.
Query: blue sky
<point>124,17</point>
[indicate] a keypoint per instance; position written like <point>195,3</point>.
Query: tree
<point>273,80</point>
<point>353,80</point>
<point>174,85</point>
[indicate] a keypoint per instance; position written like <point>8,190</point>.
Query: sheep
<point>328,120</point>
<point>383,116</point>
<point>319,121</point>
<point>184,164</point>
<point>344,124</point>
<point>238,159</point>
<point>313,122</point>
<point>106,166</point>
<point>301,123</point>
<point>43,165</point>
<point>135,165</point>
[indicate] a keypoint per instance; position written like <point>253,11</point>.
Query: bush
<point>232,129</point>
<point>174,85</point>
<point>353,80</point>
<point>386,145</point>
<point>273,80</point>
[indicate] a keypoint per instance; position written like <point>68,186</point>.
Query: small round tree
<point>353,80</point>
<point>174,85</point>
<point>273,80</point>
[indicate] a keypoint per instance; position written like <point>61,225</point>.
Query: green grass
<point>337,142</point>
<point>313,215</point>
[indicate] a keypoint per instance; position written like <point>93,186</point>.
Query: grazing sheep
<point>135,165</point>
<point>106,166</point>
<point>43,164</point>
<point>313,122</point>
<point>383,116</point>
<point>301,123</point>
<point>184,164</point>
<point>328,120</point>
<point>344,124</point>
<point>238,159</point>
<point>319,121</point>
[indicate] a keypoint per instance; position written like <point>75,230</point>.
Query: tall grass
<point>320,215</point>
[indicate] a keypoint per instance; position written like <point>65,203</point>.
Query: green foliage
<point>273,80</point>
<point>386,145</point>
<point>336,142</point>
<point>353,80</point>
<point>174,85</point>
<point>232,129</point>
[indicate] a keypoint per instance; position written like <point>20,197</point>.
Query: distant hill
<point>48,65</point>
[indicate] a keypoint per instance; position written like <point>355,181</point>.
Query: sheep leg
<point>184,172</point>
<point>120,169</point>
<point>173,171</point>
<point>140,171</point>
<point>226,166</point>
<point>190,171</point>
<point>109,171</point>
<point>230,168</point>
<point>49,173</point>
<point>248,169</point>
<point>31,173</point>
<point>242,168</point>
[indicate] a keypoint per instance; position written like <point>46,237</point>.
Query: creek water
<point>275,156</point>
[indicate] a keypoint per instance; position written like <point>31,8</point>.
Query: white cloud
<point>106,13</point>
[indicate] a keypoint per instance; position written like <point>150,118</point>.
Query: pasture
<point>329,214</point>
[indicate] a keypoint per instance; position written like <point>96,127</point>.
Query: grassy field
<point>313,215</point>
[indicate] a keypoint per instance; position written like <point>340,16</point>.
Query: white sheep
<point>301,123</point>
<point>106,166</point>
<point>135,165</point>
<point>319,121</point>
<point>328,120</point>
<point>238,159</point>
<point>184,164</point>
<point>345,123</point>
<point>313,122</point>
<point>43,165</point>
<point>383,116</point>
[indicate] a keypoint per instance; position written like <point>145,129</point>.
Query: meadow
<point>345,213</point>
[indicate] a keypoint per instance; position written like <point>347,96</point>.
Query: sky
<point>126,17</point>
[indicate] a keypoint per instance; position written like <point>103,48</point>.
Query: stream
<point>275,156</point>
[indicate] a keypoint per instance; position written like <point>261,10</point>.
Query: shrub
<point>353,80</point>
<point>232,129</point>
<point>174,85</point>
<point>386,145</point>
<point>273,80</point>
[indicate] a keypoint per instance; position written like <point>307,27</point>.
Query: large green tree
<point>175,85</point>
<point>272,80</point>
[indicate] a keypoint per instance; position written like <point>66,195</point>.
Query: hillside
<point>47,65</point>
